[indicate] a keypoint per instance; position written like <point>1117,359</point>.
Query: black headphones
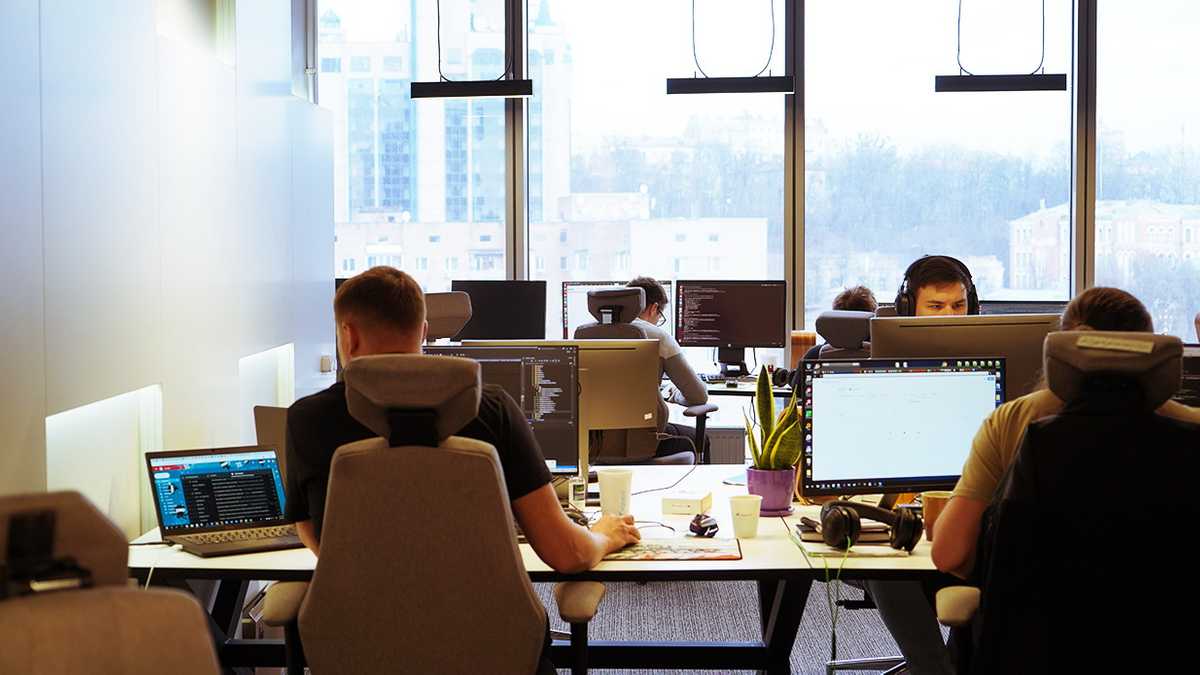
<point>841,523</point>
<point>906,297</point>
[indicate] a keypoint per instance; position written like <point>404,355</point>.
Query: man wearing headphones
<point>937,285</point>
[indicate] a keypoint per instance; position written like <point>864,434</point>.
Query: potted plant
<point>775,443</point>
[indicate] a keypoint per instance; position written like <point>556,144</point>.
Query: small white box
<point>687,503</point>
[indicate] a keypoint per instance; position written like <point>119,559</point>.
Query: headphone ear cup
<point>839,526</point>
<point>782,377</point>
<point>907,530</point>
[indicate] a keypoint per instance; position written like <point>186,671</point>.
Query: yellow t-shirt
<point>999,437</point>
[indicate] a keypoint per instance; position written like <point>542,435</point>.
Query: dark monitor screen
<point>1022,307</point>
<point>504,310</point>
<point>731,314</point>
<point>544,381</point>
<point>1189,391</point>
<point>893,425</point>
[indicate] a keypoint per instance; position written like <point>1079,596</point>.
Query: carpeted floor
<point>727,611</point>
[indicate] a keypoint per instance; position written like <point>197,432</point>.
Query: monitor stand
<point>733,362</point>
<point>888,501</point>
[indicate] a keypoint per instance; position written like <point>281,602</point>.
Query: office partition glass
<point>1148,158</point>
<point>624,180</point>
<point>894,170</point>
<point>418,185</point>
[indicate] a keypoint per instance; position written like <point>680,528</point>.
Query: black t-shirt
<point>319,424</point>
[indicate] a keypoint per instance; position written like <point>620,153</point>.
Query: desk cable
<point>832,598</point>
<point>662,437</point>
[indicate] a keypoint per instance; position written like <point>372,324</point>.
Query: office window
<point>894,170</point>
<point>624,167</point>
<point>539,263</point>
<point>1148,157</point>
<point>396,182</point>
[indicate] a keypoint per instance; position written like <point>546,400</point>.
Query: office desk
<point>743,389</point>
<point>782,572</point>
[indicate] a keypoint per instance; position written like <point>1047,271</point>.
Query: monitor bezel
<point>871,486</point>
<point>783,337</point>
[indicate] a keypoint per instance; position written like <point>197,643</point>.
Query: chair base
<point>888,664</point>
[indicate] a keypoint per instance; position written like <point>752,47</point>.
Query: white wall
<point>174,211</point>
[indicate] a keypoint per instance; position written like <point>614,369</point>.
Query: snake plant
<point>775,438</point>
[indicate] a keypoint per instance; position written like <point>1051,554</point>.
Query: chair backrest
<point>446,313</point>
<point>614,310</point>
<point>107,628</point>
<point>847,334</point>
<point>1052,566</point>
<point>1197,322</point>
<point>418,547</point>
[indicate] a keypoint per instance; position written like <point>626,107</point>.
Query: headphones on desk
<point>841,523</point>
<point>906,297</point>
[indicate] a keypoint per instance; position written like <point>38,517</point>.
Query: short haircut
<point>936,270</point>
<point>655,292</point>
<point>384,298</point>
<point>859,298</point>
<point>1103,308</point>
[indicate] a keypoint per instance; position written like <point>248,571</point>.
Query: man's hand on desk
<point>618,531</point>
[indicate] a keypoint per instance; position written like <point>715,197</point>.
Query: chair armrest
<point>578,600</point>
<point>956,605</point>
<point>282,604</point>
<point>698,410</point>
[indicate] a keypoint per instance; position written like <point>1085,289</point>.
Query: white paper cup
<point>615,485</point>
<point>744,509</point>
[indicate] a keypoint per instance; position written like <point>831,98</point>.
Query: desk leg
<point>782,605</point>
<point>227,616</point>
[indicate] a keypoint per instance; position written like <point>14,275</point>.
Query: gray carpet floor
<point>727,611</point>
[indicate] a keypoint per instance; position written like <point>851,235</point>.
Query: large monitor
<point>575,308</point>
<point>891,426</point>
<point>544,381</point>
<point>504,310</point>
<point>1189,391</point>
<point>1018,337</point>
<point>731,315</point>
<point>618,383</point>
<point>1022,307</point>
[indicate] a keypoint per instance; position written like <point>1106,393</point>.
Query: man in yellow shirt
<point>998,439</point>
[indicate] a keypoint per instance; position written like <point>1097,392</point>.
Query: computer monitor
<point>618,384</point>
<point>575,308</point>
<point>731,315</point>
<point>544,381</point>
<point>893,425</point>
<point>504,310</point>
<point>1018,337</point>
<point>1022,307</point>
<point>1189,390</point>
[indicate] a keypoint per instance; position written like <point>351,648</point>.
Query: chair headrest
<point>628,303</point>
<point>379,387</point>
<point>446,313</point>
<point>1078,362</point>
<point>885,310</point>
<point>81,532</point>
<point>845,329</point>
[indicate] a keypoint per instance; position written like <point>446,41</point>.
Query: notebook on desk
<point>221,501</point>
<point>819,549</point>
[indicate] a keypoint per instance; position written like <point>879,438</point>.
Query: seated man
<point>382,311</point>
<point>999,437</point>
<point>686,387</point>
<point>856,299</point>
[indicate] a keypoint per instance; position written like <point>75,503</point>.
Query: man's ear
<point>424,331</point>
<point>352,339</point>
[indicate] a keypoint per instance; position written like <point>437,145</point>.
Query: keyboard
<point>240,535</point>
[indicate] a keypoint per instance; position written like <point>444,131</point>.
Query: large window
<point>624,180</point>
<point>1148,158</point>
<point>895,171</point>
<point>417,184</point>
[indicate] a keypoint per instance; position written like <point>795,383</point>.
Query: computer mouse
<point>703,525</point>
<point>731,384</point>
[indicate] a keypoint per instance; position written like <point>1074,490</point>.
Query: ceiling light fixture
<point>783,84</point>
<point>1038,80</point>
<point>501,87</point>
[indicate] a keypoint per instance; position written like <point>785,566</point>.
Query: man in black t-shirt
<point>382,311</point>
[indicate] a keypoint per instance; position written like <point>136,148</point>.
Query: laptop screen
<point>217,489</point>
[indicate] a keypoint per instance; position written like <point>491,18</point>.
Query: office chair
<point>446,313</point>
<point>614,310</point>
<point>1196,321</point>
<point>418,547</point>
<point>1055,570</point>
<point>96,624</point>
<point>847,334</point>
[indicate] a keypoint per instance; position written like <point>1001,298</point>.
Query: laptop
<point>222,501</point>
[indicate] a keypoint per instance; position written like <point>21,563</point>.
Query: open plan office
<point>537,336</point>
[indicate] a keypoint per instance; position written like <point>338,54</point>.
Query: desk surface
<point>742,389</point>
<point>770,553</point>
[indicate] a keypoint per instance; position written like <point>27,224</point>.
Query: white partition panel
<point>103,273</point>
<point>22,431</point>
<point>265,378</point>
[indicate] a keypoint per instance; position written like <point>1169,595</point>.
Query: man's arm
<point>308,535</point>
<point>955,535</point>
<point>563,545</point>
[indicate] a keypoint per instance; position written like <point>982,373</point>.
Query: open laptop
<point>221,501</point>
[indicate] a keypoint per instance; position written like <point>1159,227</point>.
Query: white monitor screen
<point>575,307</point>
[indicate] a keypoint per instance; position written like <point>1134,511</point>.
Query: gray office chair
<point>1049,570</point>
<point>847,334</point>
<point>1196,321</point>
<point>85,618</point>
<point>419,567</point>
<point>614,310</point>
<point>446,313</point>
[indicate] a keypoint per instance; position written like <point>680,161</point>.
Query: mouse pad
<point>689,548</point>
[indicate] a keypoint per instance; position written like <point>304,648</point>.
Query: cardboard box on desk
<point>687,503</point>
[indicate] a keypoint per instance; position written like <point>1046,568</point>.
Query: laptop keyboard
<point>240,535</point>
